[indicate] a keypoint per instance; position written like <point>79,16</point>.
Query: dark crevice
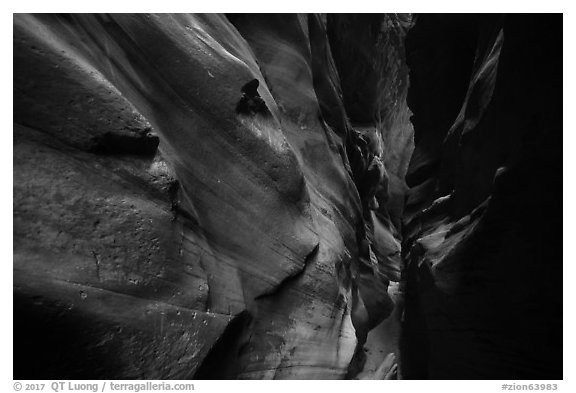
<point>127,142</point>
<point>222,360</point>
<point>251,103</point>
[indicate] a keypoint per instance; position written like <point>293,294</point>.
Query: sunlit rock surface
<point>184,203</point>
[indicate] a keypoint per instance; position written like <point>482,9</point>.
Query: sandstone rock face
<point>483,227</point>
<point>287,196</point>
<point>184,202</point>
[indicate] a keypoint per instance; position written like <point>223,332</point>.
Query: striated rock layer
<point>483,222</point>
<point>191,199</point>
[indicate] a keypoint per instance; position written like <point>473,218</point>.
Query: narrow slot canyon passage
<point>292,196</point>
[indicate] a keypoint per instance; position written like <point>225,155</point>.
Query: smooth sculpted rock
<point>184,205</point>
<point>237,196</point>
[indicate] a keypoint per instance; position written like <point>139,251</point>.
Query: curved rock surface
<point>184,203</point>
<point>287,196</point>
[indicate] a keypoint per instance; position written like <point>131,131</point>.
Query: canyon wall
<point>483,224</point>
<point>288,196</point>
<point>192,199</point>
